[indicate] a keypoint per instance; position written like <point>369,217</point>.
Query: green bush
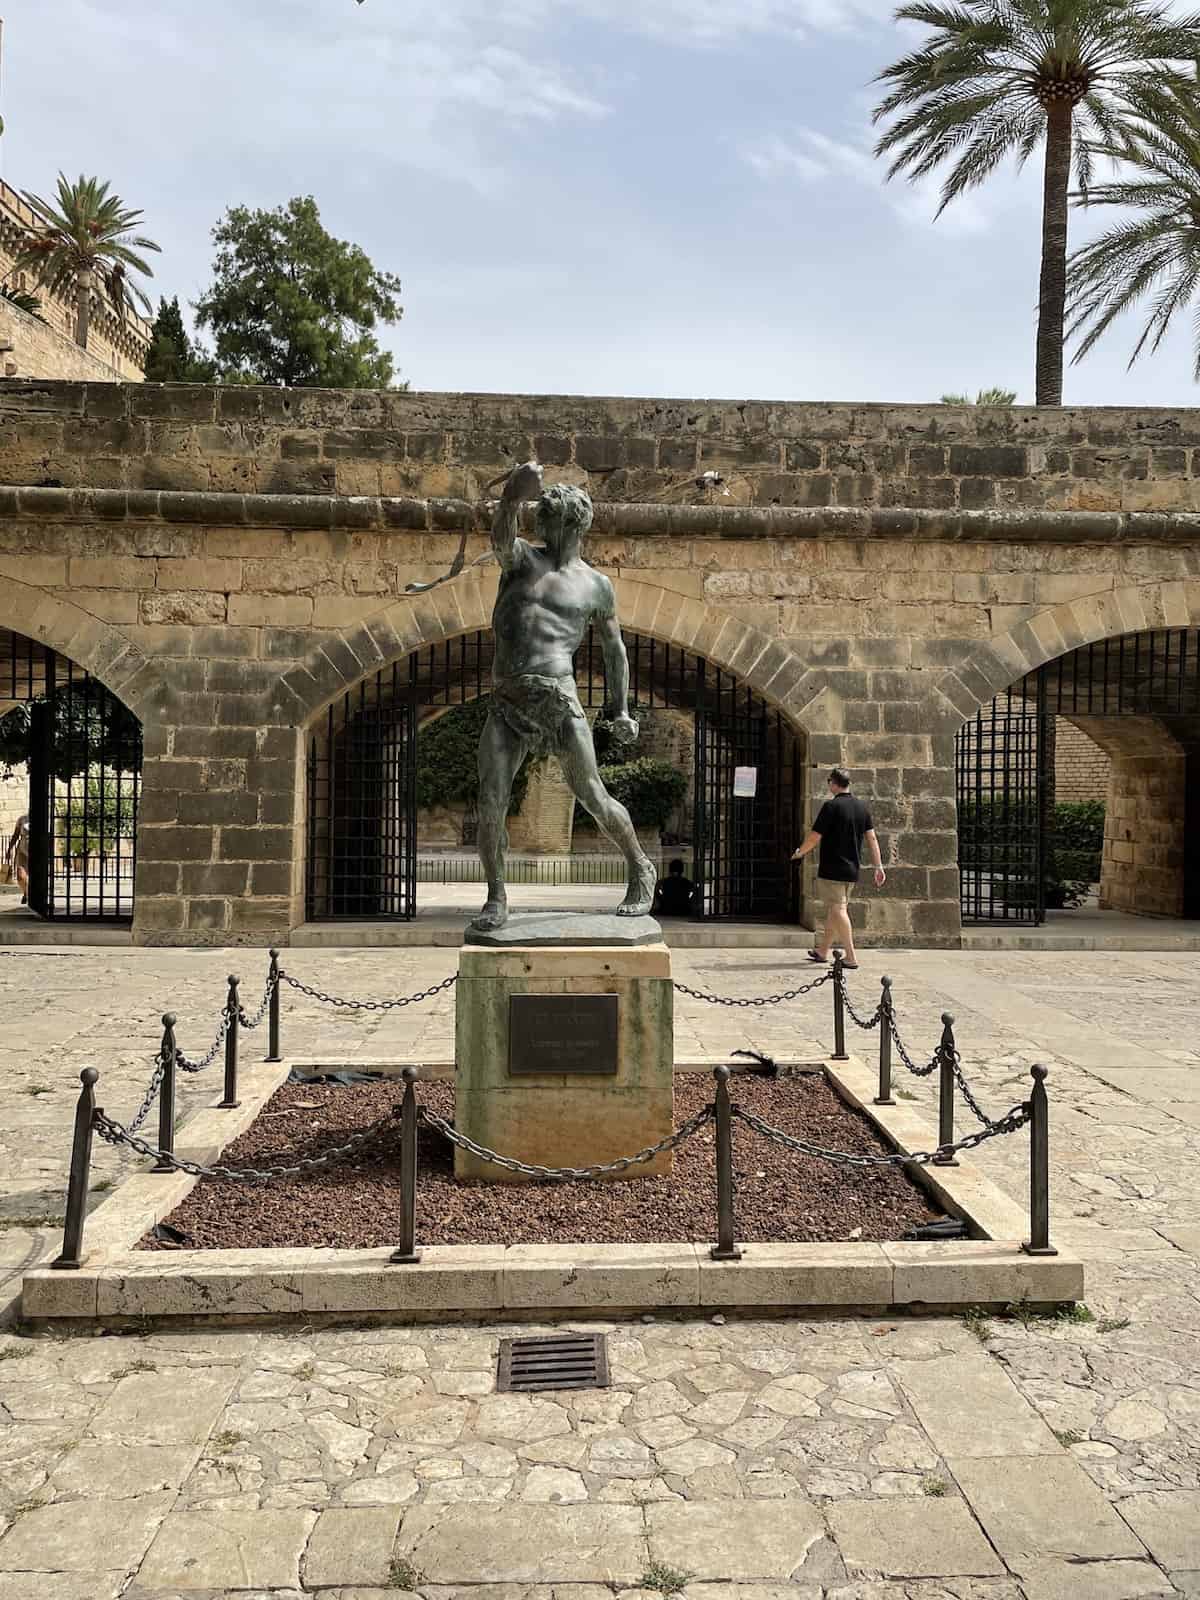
<point>649,790</point>
<point>99,812</point>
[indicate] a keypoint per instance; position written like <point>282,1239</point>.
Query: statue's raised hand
<point>624,729</point>
<point>524,482</point>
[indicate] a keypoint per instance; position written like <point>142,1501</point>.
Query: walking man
<point>842,824</point>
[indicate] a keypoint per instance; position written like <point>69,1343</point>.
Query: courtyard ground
<point>863,1459</point>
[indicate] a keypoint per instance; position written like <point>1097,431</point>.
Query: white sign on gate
<point>745,783</point>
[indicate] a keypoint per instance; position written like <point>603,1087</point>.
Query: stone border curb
<point>119,1284</point>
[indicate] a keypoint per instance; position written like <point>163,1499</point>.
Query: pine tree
<point>173,357</point>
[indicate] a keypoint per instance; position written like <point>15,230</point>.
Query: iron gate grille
<point>1001,825</point>
<point>83,752</point>
<point>362,772</point>
<point>362,831</point>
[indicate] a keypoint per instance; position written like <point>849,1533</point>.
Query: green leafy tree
<point>1152,252</point>
<point>999,78</point>
<point>448,759</point>
<point>86,244</point>
<point>290,304</point>
<point>985,397</point>
<point>173,357</point>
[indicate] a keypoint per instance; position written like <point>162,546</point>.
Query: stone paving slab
<point>968,1407</point>
<point>1168,1524</point>
<point>1036,1506</point>
<point>226,1549</point>
<point>912,1539</point>
<point>526,1544</point>
<point>730,1544</point>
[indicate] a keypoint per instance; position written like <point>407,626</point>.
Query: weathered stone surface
<point>570,930</point>
<point>155,1405</point>
<point>525,1544</point>
<point>912,1539</point>
<point>970,1407</point>
<point>70,1535</point>
<point>1168,1524</point>
<point>1094,1580</point>
<point>757,1543</point>
<point>228,1550</point>
<point>351,1547</point>
<point>1037,1506</point>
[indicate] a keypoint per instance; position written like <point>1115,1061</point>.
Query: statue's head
<point>564,515</point>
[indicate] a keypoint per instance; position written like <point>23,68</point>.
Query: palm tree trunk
<point>1052,291</point>
<point>83,307</point>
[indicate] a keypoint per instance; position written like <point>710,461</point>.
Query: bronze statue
<point>548,598</point>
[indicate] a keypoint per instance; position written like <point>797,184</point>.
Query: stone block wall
<point>1081,768</point>
<point>31,349</point>
<point>228,618</point>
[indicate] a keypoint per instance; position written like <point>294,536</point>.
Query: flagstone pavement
<point>851,1459</point>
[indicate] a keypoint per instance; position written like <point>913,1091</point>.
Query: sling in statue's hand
<point>524,483</point>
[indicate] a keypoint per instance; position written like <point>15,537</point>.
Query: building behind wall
<point>43,346</point>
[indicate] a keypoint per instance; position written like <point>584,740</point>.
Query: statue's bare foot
<point>494,915</point>
<point>639,897</point>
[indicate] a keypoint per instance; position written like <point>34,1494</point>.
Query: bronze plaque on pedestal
<point>552,1034</point>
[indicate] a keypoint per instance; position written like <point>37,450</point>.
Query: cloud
<point>810,156</point>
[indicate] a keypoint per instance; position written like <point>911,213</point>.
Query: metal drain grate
<point>562,1361</point>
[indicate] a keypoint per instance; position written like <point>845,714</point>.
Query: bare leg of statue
<point>577,757</point>
<point>501,752</point>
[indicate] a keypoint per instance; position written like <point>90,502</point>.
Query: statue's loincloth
<point>537,709</point>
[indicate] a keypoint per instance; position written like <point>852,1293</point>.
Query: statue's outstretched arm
<point>524,483</point>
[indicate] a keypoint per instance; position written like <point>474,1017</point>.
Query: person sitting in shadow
<point>673,894</point>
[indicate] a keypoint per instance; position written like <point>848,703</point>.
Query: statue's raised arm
<point>524,483</point>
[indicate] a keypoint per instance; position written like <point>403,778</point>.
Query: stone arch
<point>766,665</point>
<point>991,665</point>
<point>95,645</point>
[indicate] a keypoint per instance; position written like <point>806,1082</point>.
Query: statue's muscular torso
<point>543,611</point>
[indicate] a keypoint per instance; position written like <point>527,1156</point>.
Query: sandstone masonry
<point>230,561</point>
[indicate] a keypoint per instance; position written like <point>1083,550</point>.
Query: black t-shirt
<point>841,822</point>
<point>675,895</point>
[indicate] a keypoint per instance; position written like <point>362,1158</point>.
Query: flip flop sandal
<point>822,961</point>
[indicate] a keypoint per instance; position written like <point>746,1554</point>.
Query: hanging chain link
<point>1011,1122</point>
<point>113,1133</point>
<point>367,1005</point>
<point>964,1088</point>
<point>919,1072</point>
<point>865,1023</point>
<point>758,1000</point>
<point>568,1174</point>
<point>151,1095</point>
<point>184,1065</point>
<point>250,1023</point>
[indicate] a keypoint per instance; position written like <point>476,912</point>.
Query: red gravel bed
<point>781,1196</point>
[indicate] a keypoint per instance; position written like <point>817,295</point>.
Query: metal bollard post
<point>725,1249</point>
<point>839,1007</point>
<point>407,1254</point>
<point>884,1097</point>
<point>1038,1243</point>
<point>273,1011</point>
<point>232,1006</point>
<point>946,1092</point>
<point>166,1097</point>
<point>71,1257</point>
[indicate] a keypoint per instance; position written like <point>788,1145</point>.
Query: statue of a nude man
<point>548,597</point>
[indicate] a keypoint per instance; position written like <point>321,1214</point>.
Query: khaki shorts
<point>832,892</point>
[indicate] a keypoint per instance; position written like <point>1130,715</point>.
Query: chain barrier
<point>151,1096</point>
<point>567,1174</point>
<point>918,1072</point>
<point>866,1024</point>
<point>113,1133</point>
<point>964,1088</point>
<point>758,1000</point>
<point>184,1065</point>
<point>1011,1122</point>
<point>367,1005</point>
<point>250,1023</point>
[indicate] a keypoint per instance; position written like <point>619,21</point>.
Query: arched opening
<point>373,852</point>
<point>1128,708</point>
<point>71,761</point>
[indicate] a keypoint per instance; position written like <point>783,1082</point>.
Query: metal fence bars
<point>83,752</point>
<point>91,1120</point>
<point>364,755</point>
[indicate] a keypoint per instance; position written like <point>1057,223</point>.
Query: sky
<point>638,197</point>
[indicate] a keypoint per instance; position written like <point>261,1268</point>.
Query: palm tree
<point>1157,249</point>
<point>86,240</point>
<point>1000,76</point>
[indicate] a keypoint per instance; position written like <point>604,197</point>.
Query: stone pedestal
<point>565,1118</point>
